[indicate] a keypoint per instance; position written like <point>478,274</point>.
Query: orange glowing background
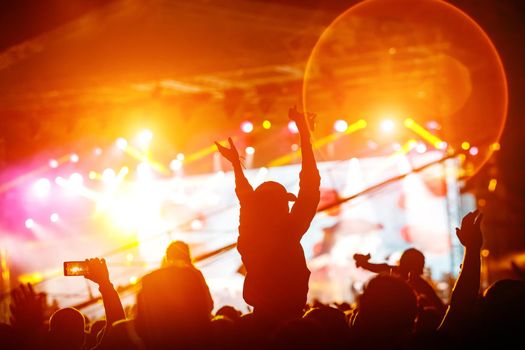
<point>419,59</point>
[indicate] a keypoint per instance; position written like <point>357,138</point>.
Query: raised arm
<point>362,261</point>
<point>242,186</point>
<point>308,198</point>
<point>98,273</point>
<point>466,291</point>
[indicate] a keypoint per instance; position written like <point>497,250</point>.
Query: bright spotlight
<point>30,223</point>
<point>196,224</point>
<point>92,175</point>
<point>247,127</point>
<point>249,150</point>
<point>421,147</point>
<point>267,124</point>
<point>54,217</point>
<point>340,125</point>
<point>176,165</point>
<point>74,158</point>
<point>465,145</point>
<point>387,125</point>
<point>42,187</point>
<point>292,127</point>
<point>145,137</point>
<point>122,143</point>
<point>76,179</point>
<point>180,156</point>
<point>53,163</point>
<point>108,175</point>
<point>442,145</point>
<point>97,151</point>
<point>473,151</point>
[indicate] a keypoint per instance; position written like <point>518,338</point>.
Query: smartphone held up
<point>75,268</point>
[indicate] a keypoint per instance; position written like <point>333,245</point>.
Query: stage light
<point>495,146</point>
<point>465,145</point>
<point>247,127</point>
<point>76,179</point>
<point>340,125</point>
<point>133,280</point>
<point>387,126</point>
<point>442,145</point>
<point>421,147</point>
<point>29,223</point>
<point>473,151</point>
<point>176,165</point>
<point>123,172</point>
<point>433,125</point>
<point>97,151</point>
<point>53,163</point>
<point>292,127</point>
<point>180,156</point>
<point>108,175</point>
<point>122,143</point>
<point>42,187</point>
<point>492,185</point>
<point>54,217</point>
<point>92,175</point>
<point>267,124</point>
<point>249,150</point>
<point>74,158</point>
<point>196,224</point>
<point>129,257</point>
<point>145,137</point>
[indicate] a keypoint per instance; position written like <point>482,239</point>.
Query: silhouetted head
<point>178,251</point>
<point>229,312</point>
<point>174,305</point>
<point>504,307</point>
<point>332,323</point>
<point>66,329</point>
<point>388,306</point>
<point>412,261</point>
<point>274,197</point>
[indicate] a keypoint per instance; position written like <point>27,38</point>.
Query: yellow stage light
<point>267,124</point>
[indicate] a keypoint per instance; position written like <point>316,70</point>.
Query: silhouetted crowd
<point>398,308</point>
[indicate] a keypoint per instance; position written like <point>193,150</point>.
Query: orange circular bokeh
<point>420,59</point>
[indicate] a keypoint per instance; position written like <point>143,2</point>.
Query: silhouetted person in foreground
<point>276,283</point>
<point>174,308</point>
<point>410,268</point>
<point>386,314</point>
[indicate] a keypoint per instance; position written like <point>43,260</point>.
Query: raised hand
<point>27,309</point>
<point>470,232</point>
<point>229,153</point>
<point>361,259</point>
<point>97,271</point>
<point>300,119</point>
